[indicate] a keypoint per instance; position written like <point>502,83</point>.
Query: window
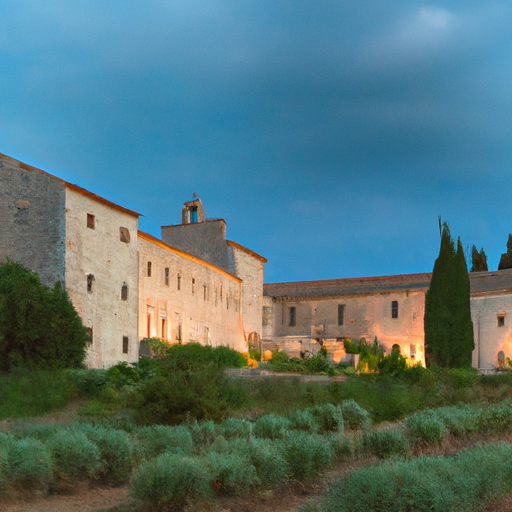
<point>149,325</point>
<point>501,320</point>
<point>341,314</point>
<point>394,309</point>
<point>124,292</point>
<point>125,344</point>
<point>193,214</point>
<point>166,277</point>
<point>178,332</point>
<point>149,268</point>
<point>215,296</point>
<point>293,316</point>
<point>205,292</point>
<point>89,334</point>
<point>124,235</point>
<point>193,285</point>
<point>164,329</point>
<point>90,282</point>
<point>91,221</point>
<point>178,282</point>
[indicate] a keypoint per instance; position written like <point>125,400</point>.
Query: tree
<point>478,260</point>
<point>39,327</point>
<point>449,339</point>
<point>506,258</point>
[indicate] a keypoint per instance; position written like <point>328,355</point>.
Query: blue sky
<point>329,135</point>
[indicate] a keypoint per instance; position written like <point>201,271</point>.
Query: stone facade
<point>183,298</point>
<point>101,261</point>
<point>305,316</point>
<point>301,317</point>
<point>206,239</point>
<point>68,234</point>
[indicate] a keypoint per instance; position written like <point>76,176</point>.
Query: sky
<point>330,135</point>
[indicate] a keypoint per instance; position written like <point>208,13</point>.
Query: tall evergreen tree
<point>506,258</point>
<point>478,260</point>
<point>449,337</point>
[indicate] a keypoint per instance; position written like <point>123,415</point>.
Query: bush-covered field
<point>177,429</point>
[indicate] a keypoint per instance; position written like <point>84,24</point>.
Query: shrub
<point>158,439</point>
<point>173,398</point>
<point>271,426</point>
<point>39,326</point>
<point>88,382</point>
<point>426,428</point>
<point>123,374</point>
<point>304,420</point>
<point>385,443</point>
<point>306,454</point>
<point>74,455</point>
<point>232,473</point>
<point>116,450</point>
<point>25,464</point>
<point>270,465</point>
<point>203,433</point>
<point>354,416</point>
<point>328,418</point>
<point>461,482</point>
<point>170,481</point>
<point>232,427</point>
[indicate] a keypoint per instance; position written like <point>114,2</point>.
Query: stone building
<point>206,239</point>
<point>67,234</point>
<point>183,298</point>
<point>126,284</point>
<point>303,316</point>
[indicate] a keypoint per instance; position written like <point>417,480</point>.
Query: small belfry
<point>193,211</point>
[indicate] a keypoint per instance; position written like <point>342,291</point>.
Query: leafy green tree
<point>478,260</point>
<point>449,339</point>
<point>39,327</point>
<point>506,258</point>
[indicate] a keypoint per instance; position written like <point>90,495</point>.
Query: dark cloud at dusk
<point>329,135</point>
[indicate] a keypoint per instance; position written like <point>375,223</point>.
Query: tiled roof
<point>350,286</point>
<point>482,283</point>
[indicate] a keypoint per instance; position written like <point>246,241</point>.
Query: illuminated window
<point>293,316</point>
<point>394,309</point>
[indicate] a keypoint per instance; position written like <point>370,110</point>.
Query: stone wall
<point>249,268</point>
<point>32,228</point>
<point>101,241</point>
<point>207,240</point>
<point>205,308</point>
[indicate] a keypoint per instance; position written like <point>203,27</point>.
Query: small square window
<point>91,221</point>
<point>124,235</point>
<point>125,344</point>
<point>501,320</point>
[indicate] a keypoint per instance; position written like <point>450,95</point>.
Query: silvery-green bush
<point>354,416</point>
<point>385,443</point>
<point>271,426</point>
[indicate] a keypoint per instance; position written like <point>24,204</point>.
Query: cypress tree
<point>448,326</point>
<point>478,260</point>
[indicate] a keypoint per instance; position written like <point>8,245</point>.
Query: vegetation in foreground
<point>233,435</point>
